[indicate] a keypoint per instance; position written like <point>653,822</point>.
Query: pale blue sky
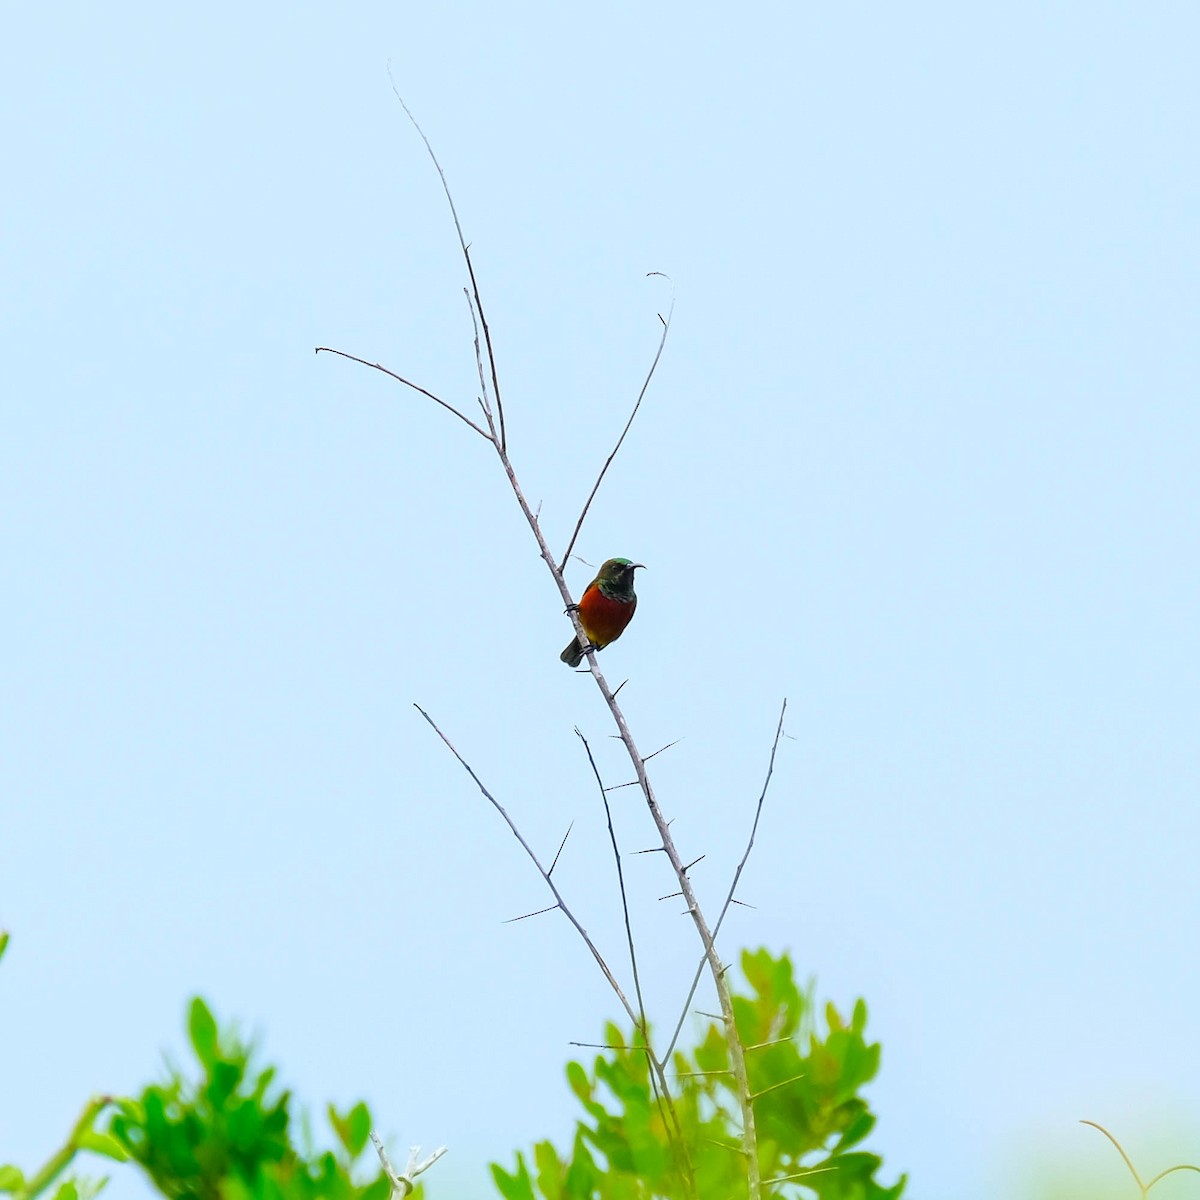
<point>921,456</point>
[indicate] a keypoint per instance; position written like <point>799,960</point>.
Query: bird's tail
<point>573,654</point>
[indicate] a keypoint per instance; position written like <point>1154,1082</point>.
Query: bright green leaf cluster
<point>634,1144</point>
<point>229,1135</point>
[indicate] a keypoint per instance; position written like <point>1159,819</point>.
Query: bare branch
<point>462,242</point>
<point>736,876</point>
<point>666,324</point>
<point>416,387</point>
<point>499,440</point>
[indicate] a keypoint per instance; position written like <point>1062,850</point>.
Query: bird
<point>605,608</point>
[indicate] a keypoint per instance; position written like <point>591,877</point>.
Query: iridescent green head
<point>616,578</point>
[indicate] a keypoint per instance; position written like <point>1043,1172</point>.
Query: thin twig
<point>612,837</point>
<point>774,1086</point>
<point>462,241</point>
<point>657,1076</point>
<point>1171,1171</point>
<point>657,752</point>
<point>1121,1151</point>
<point>662,341</point>
<point>484,401</point>
<point>736,876</point>
<point>416,387</point>
<point>526,916</point>
<point>560,848</point>
<point>798,1175</point>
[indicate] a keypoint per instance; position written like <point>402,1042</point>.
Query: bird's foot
<point>571,608</point>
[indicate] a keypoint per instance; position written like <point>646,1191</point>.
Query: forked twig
<point>404,1183</point>
<point>662,341</point>
<point>1144,1188</point>
<point>733,886</point>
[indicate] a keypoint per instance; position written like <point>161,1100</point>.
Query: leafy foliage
<point>226,1131</point>
<point>810,1117</point>
<point>229,1136</point>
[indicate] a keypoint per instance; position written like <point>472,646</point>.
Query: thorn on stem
<point>526,916</point>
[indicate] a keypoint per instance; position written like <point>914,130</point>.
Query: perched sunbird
<point>605,608</point>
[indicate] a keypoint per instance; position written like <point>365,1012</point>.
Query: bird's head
<point>616,575</point>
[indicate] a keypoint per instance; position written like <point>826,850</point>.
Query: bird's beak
<point>634,566</point>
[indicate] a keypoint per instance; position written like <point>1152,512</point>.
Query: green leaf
<point>202,1027</point>
<point>67,1191</point>
<point>359,1122</point>
<point>578,1081</point>
<point>381,1189</point>
<point>3,942</point>
<point>514,1187</point>
<point>103,1143</point>
<point>549,1170</point>
<point>11,1179</point>
<point>339,1124</point>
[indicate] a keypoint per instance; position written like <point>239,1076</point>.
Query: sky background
<point>921,456</point>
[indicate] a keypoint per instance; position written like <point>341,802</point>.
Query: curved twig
<point>1171,1171</point>
<point>1144,1188</point>
<point>416,387</point>
<point>662,341</point>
